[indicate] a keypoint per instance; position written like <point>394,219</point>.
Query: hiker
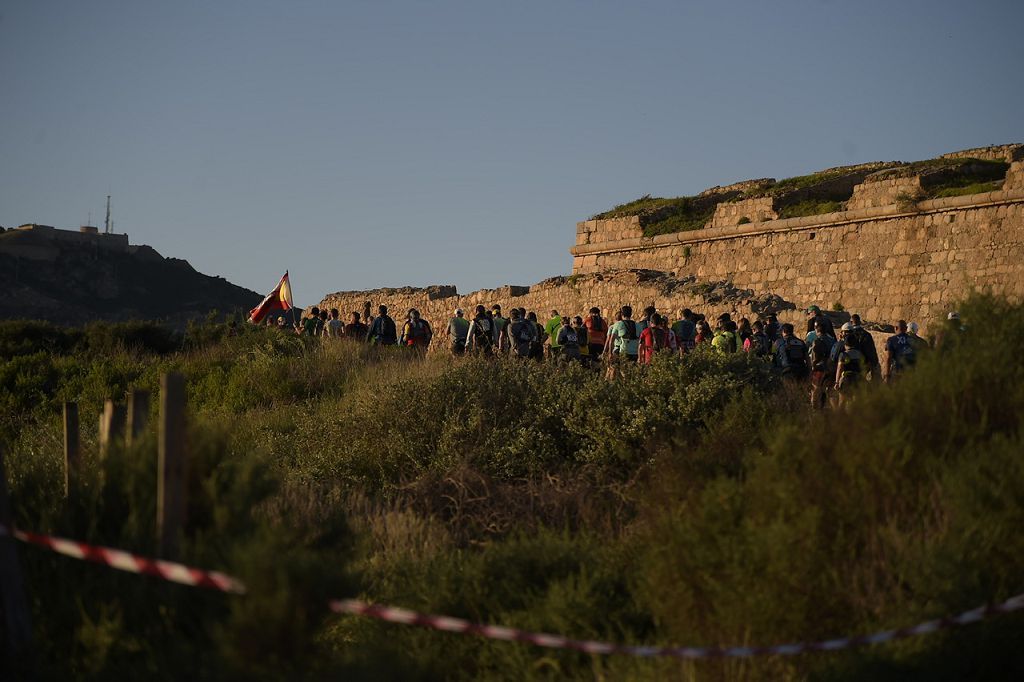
<point>814,315</point>
<point>500,340</point>
<point>861,339</point>
<point>771,328</point>
<point>312,325</point>
<point>568,340</point>
<point>791,354</point>
<point>322,324</point>
<point>704,332</point>
<point>417,332</point>
<point>355,329</point>
<point>900,352</point>
<point>522,333</point>
<point>383,331</point>
<point>551,329</point>
<point>685,330</point>
<point>744,330</point>
<point>652,340</point>
<point>949,333</point>
<point>820,354</point>
<point>726,340</point>
<point>583,338</point>
<point>919,342</point>
<point>334,328</point>
<point>623,336</point>
<point>457,331</point>
<point>647,320</point>
<point>537,345</point>
<point>597,333</point>
<point>673,343</point>
<point>481,333</point>
<point>758,342</point>
<point>849,365</point>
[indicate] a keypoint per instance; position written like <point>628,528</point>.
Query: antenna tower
<point>107,225</point>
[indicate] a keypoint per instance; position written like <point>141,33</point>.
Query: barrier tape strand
<point>194,577</point>
<point>133,563</point>
<point>448,624</point>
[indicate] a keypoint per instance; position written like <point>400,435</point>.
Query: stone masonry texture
<point>885,257</point>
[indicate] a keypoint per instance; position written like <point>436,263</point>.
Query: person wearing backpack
<point>500,337</point>
<point>597,333</point>
<point>821,352</point>
<point>685,330</point>
<point>521,334</point>
<point>537,345</point>
<point>417,332</point>
<point>900,352</point>
<point>624,336</point>
<point>861,339</point>
<point>758,343</point>
<point>551,329</point>
<point>850,365</point>
<point>481,333</point>
<point>458,332</point>
<point>652,339</point>
<point>569,340</point>
<point>771,328</point>
<point>383,331</point>
<point>791,354</point>
<point>726,340</point>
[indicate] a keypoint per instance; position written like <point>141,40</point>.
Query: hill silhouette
<point>72,277</point>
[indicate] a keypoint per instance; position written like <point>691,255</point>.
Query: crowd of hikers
<point>830,362</point>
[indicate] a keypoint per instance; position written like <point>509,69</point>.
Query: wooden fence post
<point>171,493</point>
<point>138,414</point>
<point>111,425</point>
<point>72,449</point>
<point>17,617</point>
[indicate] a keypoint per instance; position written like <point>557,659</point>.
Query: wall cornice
<point>815,222</point>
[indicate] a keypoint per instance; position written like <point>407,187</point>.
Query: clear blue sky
<point>364,144</point>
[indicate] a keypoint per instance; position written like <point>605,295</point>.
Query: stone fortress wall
<point>887,256</point>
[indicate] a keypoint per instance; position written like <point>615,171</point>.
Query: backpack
<point>796,353</point>
<point>659,338</point>
<point>759,344</point>
<point>850,360</point>
<point>483,332</point>
<point>630,330</point>
<point>732,342</point>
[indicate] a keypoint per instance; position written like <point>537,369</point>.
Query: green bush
<point>696,501</point>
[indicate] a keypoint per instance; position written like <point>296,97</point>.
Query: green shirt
<point>551,329</point>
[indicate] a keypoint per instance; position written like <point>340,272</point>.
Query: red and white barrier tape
<point>406,617</point>
<point>133,563</point>
<point>194,577</point>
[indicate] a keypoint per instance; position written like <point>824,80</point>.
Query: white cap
<point>953,316</point>
<point>458,311</point>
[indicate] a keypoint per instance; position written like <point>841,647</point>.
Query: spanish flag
<point>278,299</point>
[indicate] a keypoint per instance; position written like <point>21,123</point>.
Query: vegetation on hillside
<point>695,502</point>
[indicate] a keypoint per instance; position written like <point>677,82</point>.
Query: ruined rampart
<point>568,295</point>
<point>888,255</point>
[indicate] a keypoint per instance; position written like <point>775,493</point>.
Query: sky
<point>366,144</point>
